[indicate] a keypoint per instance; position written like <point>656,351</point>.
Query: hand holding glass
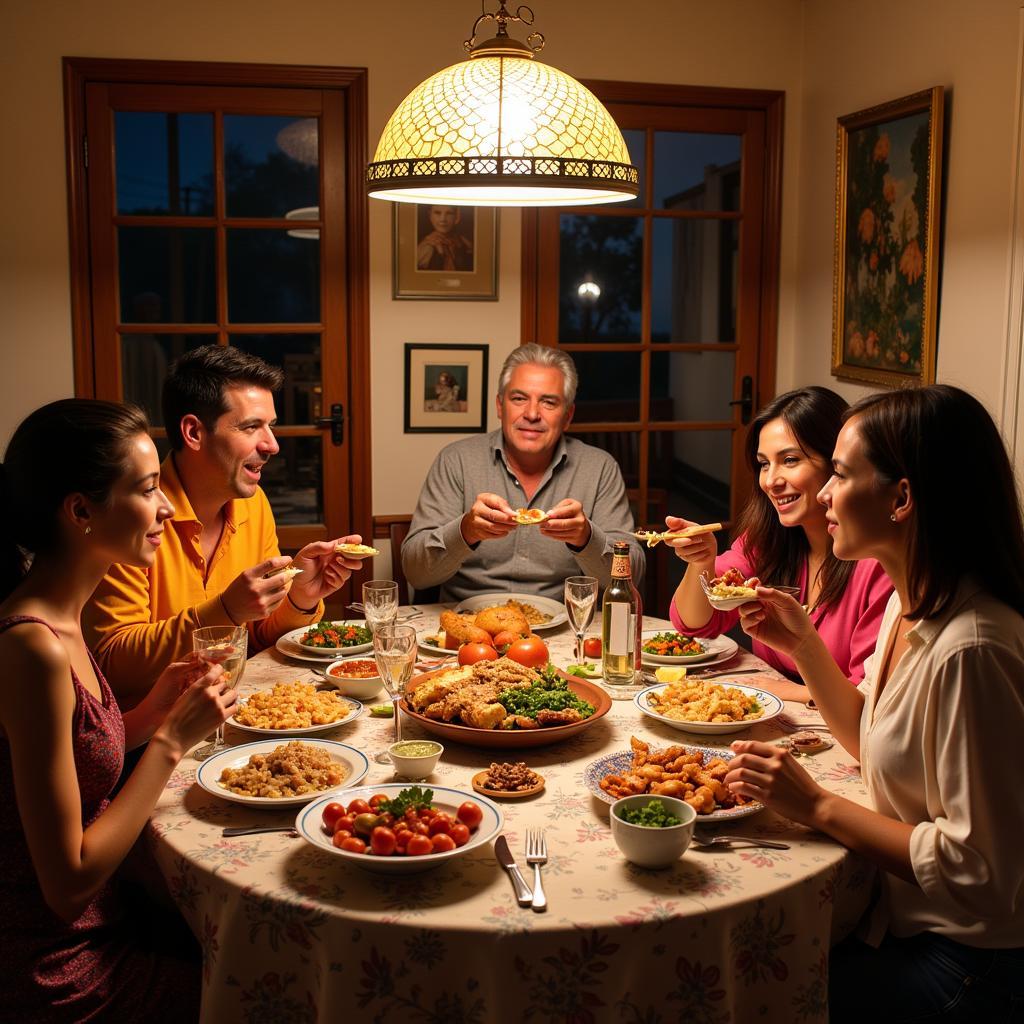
<point>580,602</point>
<point>394,649</point>
<point>226,646</point>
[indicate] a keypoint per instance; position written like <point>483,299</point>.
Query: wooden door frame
<point>351,84</point>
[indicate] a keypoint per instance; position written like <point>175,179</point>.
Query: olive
<point>366,823</point>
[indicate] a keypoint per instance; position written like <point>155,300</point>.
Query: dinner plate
<point>209,771</point>
<point>771,704</point>
<point>510,739</point>
<point>427,642</point>
<point>618,764</point>
<point>543,604</point>
<point>309,825</point>
<point>289,644</point>
<point>716,648</point>
<point>357,710</point>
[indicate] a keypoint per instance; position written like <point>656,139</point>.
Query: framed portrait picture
<point>446,389</point>
<point>445,252</point>
<point>888,191</point>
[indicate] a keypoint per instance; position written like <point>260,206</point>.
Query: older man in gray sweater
<point>464,535</point>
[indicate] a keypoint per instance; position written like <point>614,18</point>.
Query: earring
<point>88,530</point>
<point>892,517</point>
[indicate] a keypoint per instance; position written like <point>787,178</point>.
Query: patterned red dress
<point>102,967</point>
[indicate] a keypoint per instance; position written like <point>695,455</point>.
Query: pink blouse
<point>849,627</point>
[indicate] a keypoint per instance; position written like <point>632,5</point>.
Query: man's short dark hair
<point>197,380</point>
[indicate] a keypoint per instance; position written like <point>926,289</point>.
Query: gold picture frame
<point>885,286</point>
<point>445,252</point>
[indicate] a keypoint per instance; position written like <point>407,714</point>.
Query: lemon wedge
<point>669,674</point>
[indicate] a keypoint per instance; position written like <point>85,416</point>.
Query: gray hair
<point>541,355</point>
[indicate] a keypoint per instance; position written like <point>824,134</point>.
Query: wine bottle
<point>621,617</point>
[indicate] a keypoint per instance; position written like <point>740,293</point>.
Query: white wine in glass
<point>580,603</point>
<point>220,645</point>
<point>394,649</point>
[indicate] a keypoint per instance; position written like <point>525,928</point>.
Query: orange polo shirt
<point>140,620</point>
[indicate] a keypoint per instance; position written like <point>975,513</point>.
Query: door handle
<point>746,399</point>
<point>336,421</point>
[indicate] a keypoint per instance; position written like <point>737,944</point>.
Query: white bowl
<point>416,767</point>
<point>349,686</point>
<point>653,847</point>
<point>771,705</point>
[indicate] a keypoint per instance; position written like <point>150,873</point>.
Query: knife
<point>524,894</point>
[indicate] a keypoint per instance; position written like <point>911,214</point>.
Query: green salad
<point>651,815</point>
<point>549,693</point>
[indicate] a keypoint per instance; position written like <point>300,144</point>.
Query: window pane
<point>271,165</point>
<point>636,143</point>
<point>293,480</point>
<point>600,278</point>
<point>694,280</point>
<point>689,474</point>
<point>167,275</point>
<point>696,172</point>
<point>164,163</point>
<point>692,385</point>
<point>299,400</point>
<point>609,387</point>
<point>144,362</point>
<point>272,277</point>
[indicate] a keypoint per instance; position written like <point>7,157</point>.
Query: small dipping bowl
<point>359,687</point>
<point>653,847</point>
<point>415,759</point>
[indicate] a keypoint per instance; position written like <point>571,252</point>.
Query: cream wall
<point>970,47</point>
<point>740,43</point>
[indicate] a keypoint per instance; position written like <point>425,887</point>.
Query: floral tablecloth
<point>292,934</point>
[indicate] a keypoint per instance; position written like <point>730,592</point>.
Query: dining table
<point>731,933</point>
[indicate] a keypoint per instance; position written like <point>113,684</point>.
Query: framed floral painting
<point>888,188</point>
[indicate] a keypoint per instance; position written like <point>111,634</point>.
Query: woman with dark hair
<point>921,482</point>
<point>79,490</point>
<point>782,538</point>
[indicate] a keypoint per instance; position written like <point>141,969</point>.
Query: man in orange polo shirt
<point>216,550</point>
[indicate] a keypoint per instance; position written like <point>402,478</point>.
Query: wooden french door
<point>222,204</point>
<point>667,302</point>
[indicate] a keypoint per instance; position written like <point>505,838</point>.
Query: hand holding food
<point>490,518</point>
<point>694,548</point>
<point>324,570</point>
<point>778,620</point>
<point>766,772</point>
<point>567,523</point>
<point>253,594</point>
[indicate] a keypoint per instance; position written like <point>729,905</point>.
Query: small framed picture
<point>445,252</point>
<point>888,196</point>
<point>446,389</point>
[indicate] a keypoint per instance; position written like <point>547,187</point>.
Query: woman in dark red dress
<point>80,490</point>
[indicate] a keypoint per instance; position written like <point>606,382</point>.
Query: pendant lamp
<point>502,128</point>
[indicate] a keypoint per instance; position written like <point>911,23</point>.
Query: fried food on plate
<point>463,629</point>
<point>501,618</point>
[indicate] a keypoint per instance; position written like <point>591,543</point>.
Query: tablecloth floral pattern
<point>291,935</point>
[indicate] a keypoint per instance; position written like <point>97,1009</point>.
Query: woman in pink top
<point>783,539</point>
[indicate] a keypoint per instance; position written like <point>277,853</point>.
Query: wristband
<point>304,611</point>
<point>227,613</point>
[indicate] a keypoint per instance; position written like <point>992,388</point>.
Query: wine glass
<point>220,645</point>
<point>394,649</point>
<point>380,603</point>
<point>580,602</point>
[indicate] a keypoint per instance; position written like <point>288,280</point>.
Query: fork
<point>412,613</point>
<point>704,841</point>
<point>537,854</point>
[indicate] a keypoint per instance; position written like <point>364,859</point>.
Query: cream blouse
<point>942,748</point>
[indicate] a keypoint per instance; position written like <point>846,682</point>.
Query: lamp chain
<point>502,16</point>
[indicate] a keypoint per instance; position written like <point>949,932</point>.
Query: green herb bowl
<point>652,847</point>
<point>415,767</point>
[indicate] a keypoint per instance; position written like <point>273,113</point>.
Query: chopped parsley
<point>651,815</point>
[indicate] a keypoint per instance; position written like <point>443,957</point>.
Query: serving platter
<point>771,704</point>
<point>480,778</point>
<point>309,825</point>
<point>543,604</point>
<point>618,764</point>
<point>512,739</point>
<point>289,645</point>
<point>357,710</point>
<point>716,649</point>
<point>209,772</point>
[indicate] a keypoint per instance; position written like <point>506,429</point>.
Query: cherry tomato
<point>470,654</point>
<point>340,836</point>
<point>402,840</point>
<point>332,812</point>
<point>427,815</point>
<point>365,823</point>
<point>377,799</point>
<point>418,846</point>
<point>419,828</point>
<point>440,825</point>
<point>411,814</point>
<point>383,841</point>
<point>353,845</point>
<point>346,822</point>
<point>469,814</point>
<point>531,652</point>
<point>442,843</point>
<point>592,647</point>
<point>459,834</point>
<point>399,826</point>
<point>504,639</point>
<point>387,819</point>
<point>358,807</point>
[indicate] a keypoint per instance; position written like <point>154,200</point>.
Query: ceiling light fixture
<point>502,129</point>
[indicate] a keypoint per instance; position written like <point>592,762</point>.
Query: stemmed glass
<point>580,602</point>
<point>380,603</point>
<point>394,649</point>
<point>220,645</point>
